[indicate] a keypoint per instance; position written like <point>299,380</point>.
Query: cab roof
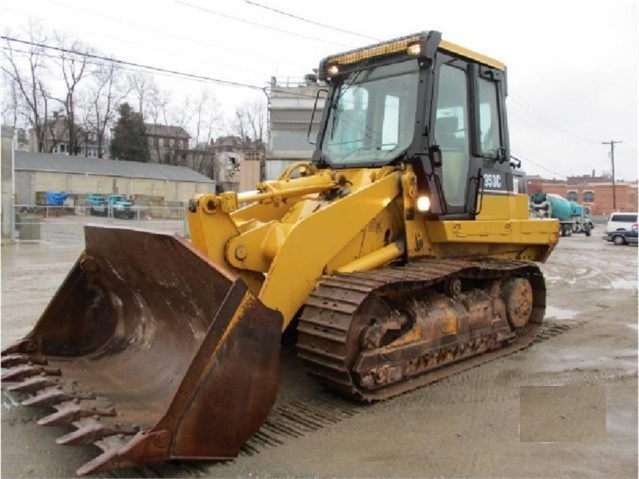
<point>430,42</point>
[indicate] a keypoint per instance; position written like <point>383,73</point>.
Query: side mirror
<point>501,155</point>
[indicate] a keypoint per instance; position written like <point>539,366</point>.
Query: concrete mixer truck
<point>573,217</point>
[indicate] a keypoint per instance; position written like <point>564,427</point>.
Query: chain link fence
<point>63,224</point>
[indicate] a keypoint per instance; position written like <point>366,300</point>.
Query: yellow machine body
<point>291,233</point>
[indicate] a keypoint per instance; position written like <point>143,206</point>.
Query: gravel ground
<point>565,407</point>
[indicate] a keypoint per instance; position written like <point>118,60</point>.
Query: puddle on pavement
<point>559,313</point>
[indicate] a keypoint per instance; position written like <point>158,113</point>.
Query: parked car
<point>120,206</point>
<point>98,205</point>
<point>114,205</point>
<point>623,236</point>
<point>622,221</point>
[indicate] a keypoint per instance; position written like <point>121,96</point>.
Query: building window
<point>572,196</point>
<point>151,141</point>
<point>589,196</point>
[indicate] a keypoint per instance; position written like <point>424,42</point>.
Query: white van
<point>621,221</point>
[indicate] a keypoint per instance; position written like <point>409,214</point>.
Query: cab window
<point>490,138</point>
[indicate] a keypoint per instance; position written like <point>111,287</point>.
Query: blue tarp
<point>55,198</point>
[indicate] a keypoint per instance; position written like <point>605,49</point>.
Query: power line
<point>174,35</point>
<point>306,20</point>
<point>139,67</point>
<point>135,65</point>
<point>280,90</point>
<point>519,156</point>
<point>256,24</point>
<point>547,121</point>
<point>89,62</point>
<point>550,134</point>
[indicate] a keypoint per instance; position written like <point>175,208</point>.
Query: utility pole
<point>612,159</point>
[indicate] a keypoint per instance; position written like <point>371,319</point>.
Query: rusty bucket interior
<point>151,351</point>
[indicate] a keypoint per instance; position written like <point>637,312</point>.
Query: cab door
<point>468,128</point>
<point>452,132</point>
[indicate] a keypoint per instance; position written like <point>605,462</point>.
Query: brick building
<point>593,191</point>
<point>56,139</point>
<point>165,141</point>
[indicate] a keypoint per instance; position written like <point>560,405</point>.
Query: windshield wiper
<point>350,83</point>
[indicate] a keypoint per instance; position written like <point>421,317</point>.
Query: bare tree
<point>142,85</point>
<point>177,117</point>
<point>170,120</point>
<point>154,103</point>
<point>207,121</point>
<point>74,65</point>
<point>207,116</point>
<point>26,77</point>
<point>101,99</point>
<point>249,122</point>
<point>10,101</point>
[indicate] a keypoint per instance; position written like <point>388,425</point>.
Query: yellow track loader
<point>402,253</point>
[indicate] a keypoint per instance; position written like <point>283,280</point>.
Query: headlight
<point>415,49</point>
<point>423,203</point>
<point>332,70</point>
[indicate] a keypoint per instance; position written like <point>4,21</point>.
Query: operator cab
<point>421,101</point>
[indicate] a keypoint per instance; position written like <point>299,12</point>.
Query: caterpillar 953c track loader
<point>402,253</point>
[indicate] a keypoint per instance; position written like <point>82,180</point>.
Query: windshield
<point>372,115</point>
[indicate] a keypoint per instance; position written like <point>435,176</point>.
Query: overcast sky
<point>572,65</point>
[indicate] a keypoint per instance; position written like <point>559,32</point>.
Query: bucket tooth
<point>50,397</point>
<point>110,445</point>
<point>19,373</point>
<point>11,360</point>
<point>32,385</point>
<point>85,435</point>
<point>91,430</point>
<point>63,417</point>
<point>68,413</point>
<point>119,451</point>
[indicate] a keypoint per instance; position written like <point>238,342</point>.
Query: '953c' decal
<point>495,182</point>
<point>492,181</point>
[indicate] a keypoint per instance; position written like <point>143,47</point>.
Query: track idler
<point>151,352</point>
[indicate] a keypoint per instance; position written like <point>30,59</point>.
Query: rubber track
<point>325,322</point>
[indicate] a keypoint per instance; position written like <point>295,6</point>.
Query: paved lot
<point>576,385</point>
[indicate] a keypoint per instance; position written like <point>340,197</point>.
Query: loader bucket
<point>151,352</point>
